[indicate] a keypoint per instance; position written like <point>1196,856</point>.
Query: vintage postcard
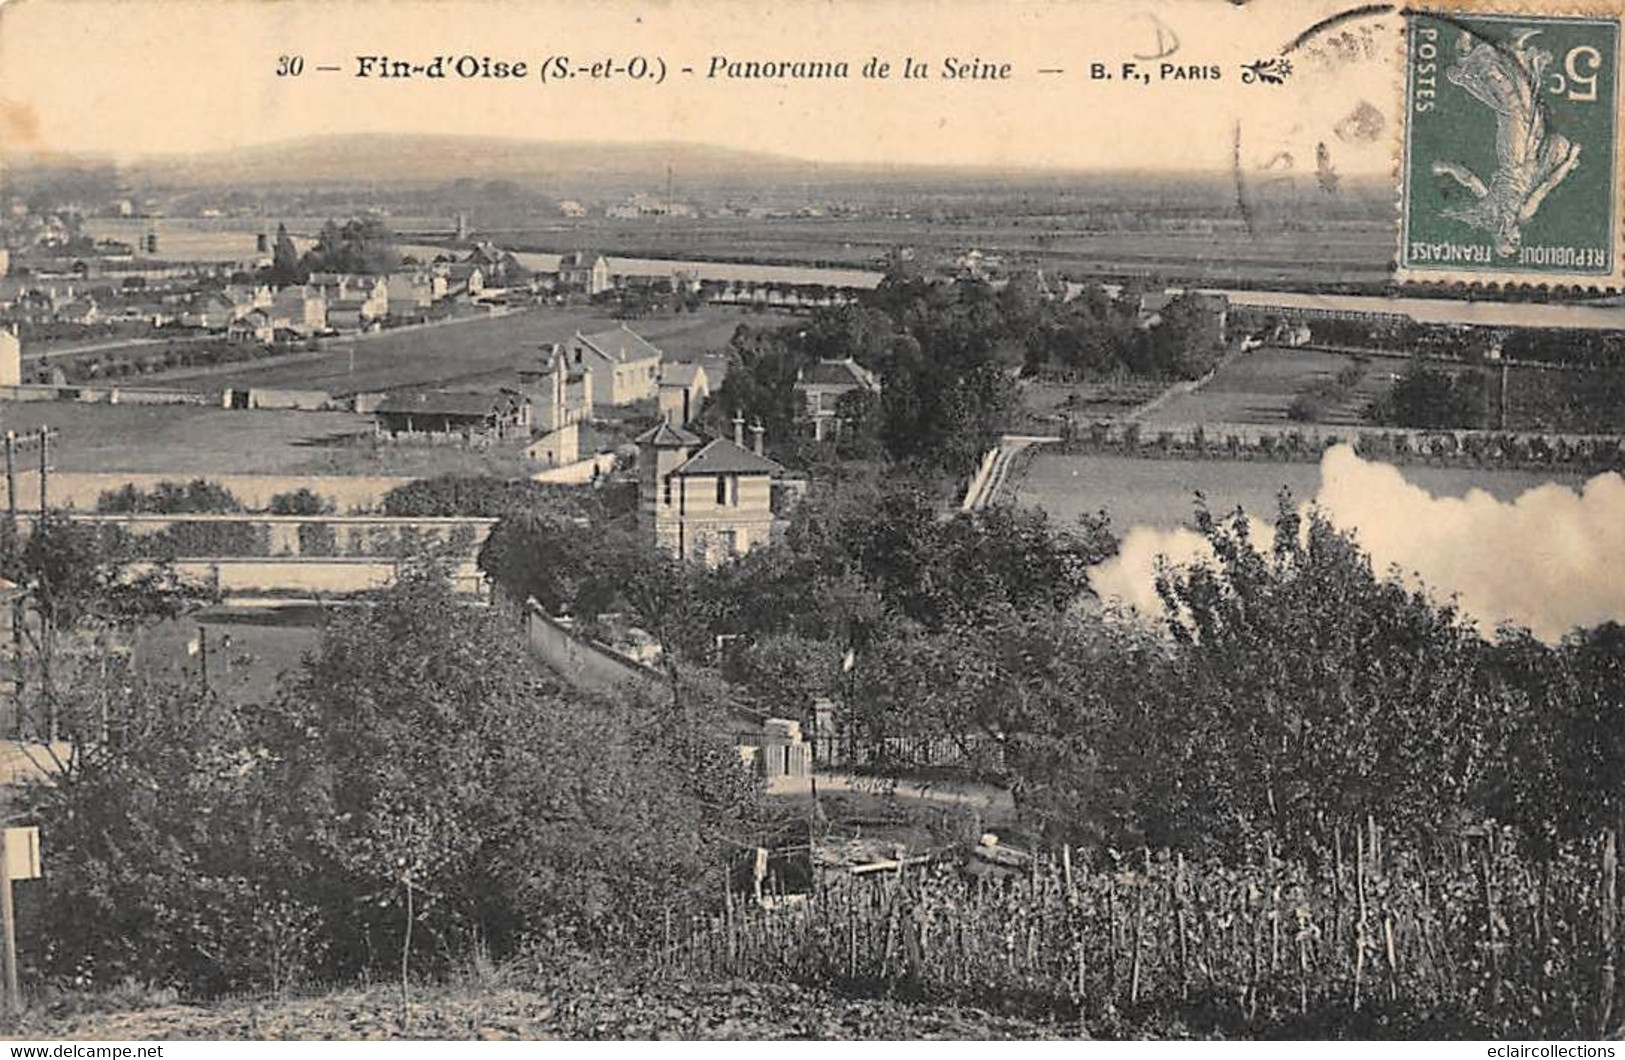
<point>838,519</point>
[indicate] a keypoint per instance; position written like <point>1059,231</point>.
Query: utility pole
<point>8,926</point>
<point>11,475</point>
<point>44,468</point>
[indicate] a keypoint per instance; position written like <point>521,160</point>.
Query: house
<point>255,325</point>
<point>705,501</point>
<point>300,309</point>
<point>79,311</point>
<point>625,368</point>
<point>465,279</point>
<point>356,303</point>
<point>556,448</point>
<point>684,386</point>
<point>489,416</point>
<point>584,273</point>
<point>499,267</point>
<point>821,387</point>
<point>366,297</point>
<point>410,294</point>
<point>249,296</point>
<point>213,311</point>
<point>560,394</point>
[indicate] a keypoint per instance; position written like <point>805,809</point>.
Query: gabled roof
<point>297,293</point>
<point>621,345</point>
<point>680,373</point>
<point>665,436</point>
<point>580,259</point>
<point>722,457</point>
<point>445,403</point>
<point>845,372</point>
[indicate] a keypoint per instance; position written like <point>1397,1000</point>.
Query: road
<point>114,344</point>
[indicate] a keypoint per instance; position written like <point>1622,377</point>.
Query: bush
<point>170,498</point>
<point>467,495</point>
<point>214,848</point>
<point>302,501</point>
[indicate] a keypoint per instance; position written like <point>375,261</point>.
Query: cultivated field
<point>1215,250</point>
<point>474,352</point>
<point>1162,493</point>
<point>1258,387</point>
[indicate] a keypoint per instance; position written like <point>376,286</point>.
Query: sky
<point>129,78</point>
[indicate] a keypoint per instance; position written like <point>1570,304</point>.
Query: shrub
<point>302,501</point>
<point>170,498</point>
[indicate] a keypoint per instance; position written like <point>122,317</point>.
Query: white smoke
<point>1551,560</point>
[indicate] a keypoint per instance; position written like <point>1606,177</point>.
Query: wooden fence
<point>1474,940</point>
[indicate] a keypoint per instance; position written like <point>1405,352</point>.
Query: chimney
<point>756,432</point>
<point>739,429</point>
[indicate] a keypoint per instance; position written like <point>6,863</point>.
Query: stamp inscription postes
<point>1511,156</point>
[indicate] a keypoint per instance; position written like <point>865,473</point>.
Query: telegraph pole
<point>44,467</point>
<point>11,475</point>
<point>8,926</point>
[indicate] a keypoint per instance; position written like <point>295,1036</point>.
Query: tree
<point>163,864</point>
<point>1431,398</point>
<point>432,759</point>
<point>1311,694</point>
<point>286,266</point>
<point>361,245</point>
<point>76,591</point>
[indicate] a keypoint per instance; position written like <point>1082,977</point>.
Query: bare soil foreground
<point>657,1009</point>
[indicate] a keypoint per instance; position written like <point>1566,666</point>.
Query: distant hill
<point>433,159</point>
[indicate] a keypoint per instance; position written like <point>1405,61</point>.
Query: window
<point>668,491</point>
<point>722,489</point>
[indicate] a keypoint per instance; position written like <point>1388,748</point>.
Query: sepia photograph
<point>954,520</point>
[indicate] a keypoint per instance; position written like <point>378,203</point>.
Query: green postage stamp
<point>1511,168</point>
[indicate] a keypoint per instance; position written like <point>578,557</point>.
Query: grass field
<point>474,352</point>
<point>190,440</point>
<point>1161,493</point>
<point>248,648</point>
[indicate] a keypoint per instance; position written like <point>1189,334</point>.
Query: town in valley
<point>824,602</point>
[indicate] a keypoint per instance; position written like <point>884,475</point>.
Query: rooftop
<point>722,457</point>
<point>620,344</point>
<point>665,436</point>
<point>445,403</point>
<point>844,372</point>
<point>680,373</point>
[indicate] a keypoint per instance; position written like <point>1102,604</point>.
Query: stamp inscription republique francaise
<point>1510,170</point>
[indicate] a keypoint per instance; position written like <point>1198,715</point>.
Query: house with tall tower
<point>706,501</point>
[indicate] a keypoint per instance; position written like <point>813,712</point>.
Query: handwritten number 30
<point>1580,65</point>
